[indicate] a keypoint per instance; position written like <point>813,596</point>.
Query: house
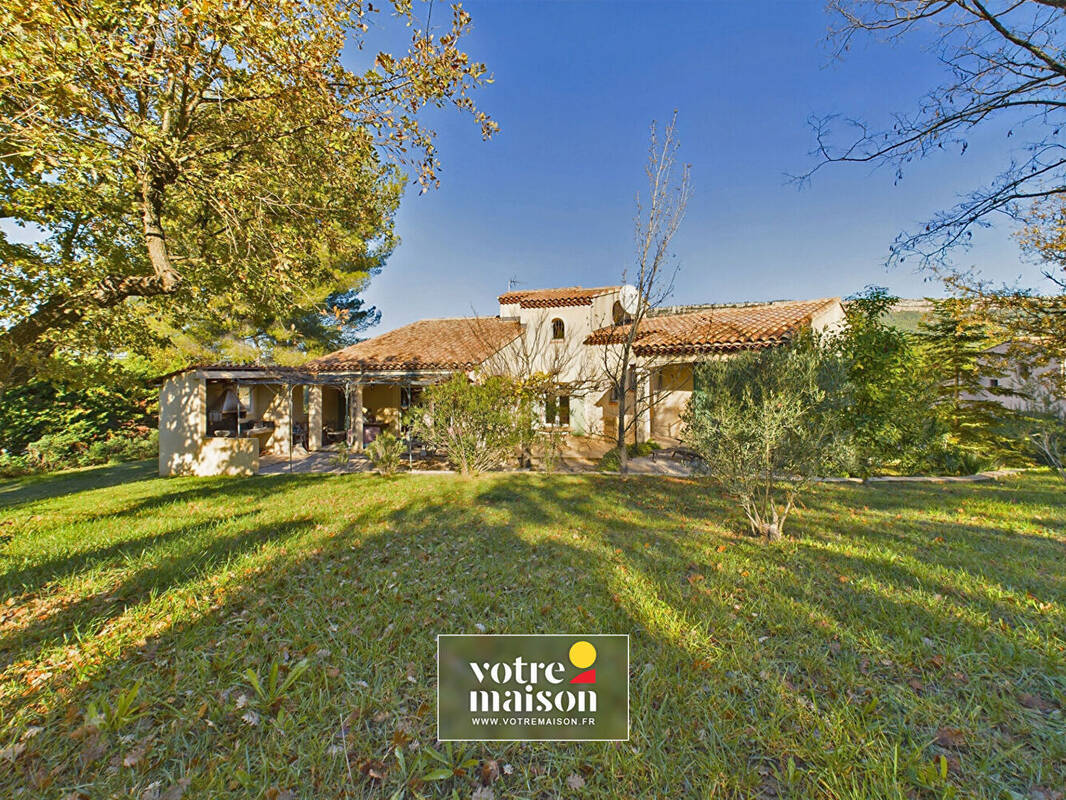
<point>1023,377</point>
<point>218,419</point>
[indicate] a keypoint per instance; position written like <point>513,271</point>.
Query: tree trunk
<point>65,310</point>
<point>623,454</point>
<point>165,277</point>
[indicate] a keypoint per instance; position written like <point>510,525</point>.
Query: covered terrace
<point>224,419</point>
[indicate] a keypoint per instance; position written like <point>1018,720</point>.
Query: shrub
<point>765,423</point>
<point>480,425</point>
<point>1046,422</point>
<point>75,447</point>
<point>99,397</point>
<point>386,452</point>
<point>343,455</point>
<point>135,444</point>
<point>889,391</point>
<point>1049,440</point>
<point>63,449</point>
<point>12,466</point>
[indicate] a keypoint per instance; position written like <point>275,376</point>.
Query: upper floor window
<point>558,329</point>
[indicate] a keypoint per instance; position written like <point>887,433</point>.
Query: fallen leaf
<point>575,781</point>
<point>134,756</point>
<point>12,751</point>
<point>949,737</point>
<point>489,772</point>
<point>176,791</point>
<point>1035,702</point>
<point>93,750</point>
<point>374,770</point>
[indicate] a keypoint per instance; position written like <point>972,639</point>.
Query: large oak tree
<point>183,165</point>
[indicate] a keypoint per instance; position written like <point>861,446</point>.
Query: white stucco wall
<point>184,448</point>
<point>182,423</point>
<point>1030,382</point>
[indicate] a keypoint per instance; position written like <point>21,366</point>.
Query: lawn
<point>907,642</point>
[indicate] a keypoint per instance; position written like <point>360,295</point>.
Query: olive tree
<point>765,423</point>
<point>479,424</point>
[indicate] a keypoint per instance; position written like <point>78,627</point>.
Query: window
<point>558,329</point>
<point>557,410</point>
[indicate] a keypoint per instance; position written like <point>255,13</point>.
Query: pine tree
<point>957,349</point>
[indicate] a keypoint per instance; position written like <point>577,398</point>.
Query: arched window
<point>619,314</point>
<point>558,329</point>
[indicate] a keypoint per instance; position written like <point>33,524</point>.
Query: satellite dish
<point>629,298</point>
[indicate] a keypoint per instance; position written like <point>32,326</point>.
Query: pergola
<point>351,383</point>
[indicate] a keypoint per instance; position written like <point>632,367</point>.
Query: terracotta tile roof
<point>551,298</point>
<point>718,329</point>
<point>461,343</point>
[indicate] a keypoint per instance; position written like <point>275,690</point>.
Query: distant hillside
<point>908,313</point>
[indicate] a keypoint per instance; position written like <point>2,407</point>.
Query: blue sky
<point>550,199</point>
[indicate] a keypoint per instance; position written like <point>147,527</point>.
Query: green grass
<point>907,642</point>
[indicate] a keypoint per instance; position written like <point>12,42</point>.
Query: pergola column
<point>314,418</point>
<point>357,417</point>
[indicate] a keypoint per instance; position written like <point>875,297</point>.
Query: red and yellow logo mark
<point>583,656</point>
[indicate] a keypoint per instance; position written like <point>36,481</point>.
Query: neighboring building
<point>217,419</point>
<point>1027,379</point>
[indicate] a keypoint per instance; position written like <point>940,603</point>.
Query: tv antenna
<point>513,281</point>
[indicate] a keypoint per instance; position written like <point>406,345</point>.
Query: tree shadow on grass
<point>173,570</point>
<point>33,579</point>
<point>22,491</point>
<point>362,591</point>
